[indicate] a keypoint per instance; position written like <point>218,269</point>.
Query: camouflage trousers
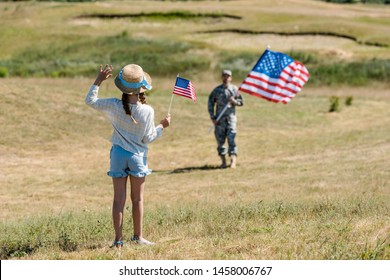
<point>226,129</point>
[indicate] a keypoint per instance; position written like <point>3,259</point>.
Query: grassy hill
<point>309,184</point>
<point>194,38</point>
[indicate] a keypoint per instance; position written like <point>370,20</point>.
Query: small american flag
<point>184,88</point>
<point>276,77</point>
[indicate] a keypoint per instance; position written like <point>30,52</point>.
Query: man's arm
<point>211,105</point>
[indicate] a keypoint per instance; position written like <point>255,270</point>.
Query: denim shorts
<point>124,163</point>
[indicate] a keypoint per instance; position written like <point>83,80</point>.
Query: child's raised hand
<point>103,74</point>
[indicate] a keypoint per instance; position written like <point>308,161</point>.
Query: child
<point>133,129</point>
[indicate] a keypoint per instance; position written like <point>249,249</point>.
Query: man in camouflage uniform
<point>226,127</point>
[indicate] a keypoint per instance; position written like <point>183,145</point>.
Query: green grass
<point>353,73</point>
<point>81,58</point>
<point>285,223</point>
<point>162,58</point>
<point>76,47</point>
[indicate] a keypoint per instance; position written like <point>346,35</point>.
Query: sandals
<point>135,238</point>
<point>117,244</point>
<point>141,241</point>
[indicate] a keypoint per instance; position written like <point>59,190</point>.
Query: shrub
<point>334,104</point>
<point>3,72</point>
<point>348,101</point>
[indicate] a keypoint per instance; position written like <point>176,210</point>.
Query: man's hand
<point>232,100</point>
<point>214,122</point>
<point>103,74</point>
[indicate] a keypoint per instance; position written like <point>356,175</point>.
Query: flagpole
<point>170,104</point>
<point>220,115</point>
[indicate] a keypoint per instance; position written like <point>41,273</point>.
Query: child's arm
<point>92,97</point>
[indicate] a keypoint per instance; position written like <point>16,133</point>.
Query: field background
<point>309,184</point>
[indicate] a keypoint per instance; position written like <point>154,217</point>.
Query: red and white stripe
<point>188,92</point>
<point>283,89</point>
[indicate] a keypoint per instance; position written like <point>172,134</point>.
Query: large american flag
<point>276,77</point>
<point>184,87</point>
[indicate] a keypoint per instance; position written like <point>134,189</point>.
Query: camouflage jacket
<point>220,97</point>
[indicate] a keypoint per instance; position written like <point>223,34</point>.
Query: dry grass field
<point>309,184</point>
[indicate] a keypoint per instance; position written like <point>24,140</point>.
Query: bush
<point>334,104</point>
<point>348,101</point>
<point>3,72</point>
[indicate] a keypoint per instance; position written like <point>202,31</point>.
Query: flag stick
<point>169,110</point>
<point>220,116</point>
<point>170,104</point>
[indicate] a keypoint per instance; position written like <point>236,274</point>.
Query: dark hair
<point>126,100</point>
<point>142,98</point>
<point>125,103</point>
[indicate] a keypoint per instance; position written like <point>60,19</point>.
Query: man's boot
<point>233,161</point>
<point>223,158</point>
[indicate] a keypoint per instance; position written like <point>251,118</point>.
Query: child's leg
<point>118,205</point>
<point>137,191</point>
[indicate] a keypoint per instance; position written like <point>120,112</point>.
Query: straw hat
<point>133,80</point>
